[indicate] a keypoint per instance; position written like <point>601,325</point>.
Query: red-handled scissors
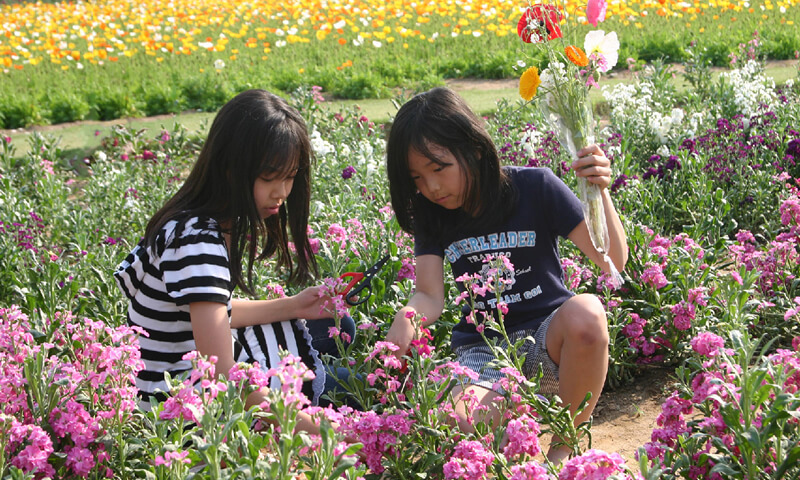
<point>353,296</point>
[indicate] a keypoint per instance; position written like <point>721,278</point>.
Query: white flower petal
<point>592,41</point>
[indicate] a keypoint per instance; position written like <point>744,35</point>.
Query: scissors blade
<point>353,297</point>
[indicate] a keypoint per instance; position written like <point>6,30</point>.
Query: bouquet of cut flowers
<point>562,91</point>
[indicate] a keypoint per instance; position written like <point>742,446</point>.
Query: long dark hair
<point>255,133</point>
<point>441,117</point>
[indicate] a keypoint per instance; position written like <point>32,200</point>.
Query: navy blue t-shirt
<point>545,210</point>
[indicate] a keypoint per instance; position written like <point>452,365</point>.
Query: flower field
<point>707,182</point>
<point>109,59</point>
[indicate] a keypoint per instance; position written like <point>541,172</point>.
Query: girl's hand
<point>593,164</point>
<point>401,333</point>
<point>309,304</point>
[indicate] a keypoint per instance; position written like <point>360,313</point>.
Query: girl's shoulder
<point>525,177</point>
<point>188,229</point>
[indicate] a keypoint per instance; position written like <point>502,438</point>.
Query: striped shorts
<point>477,357</point>
<point>262,344</point>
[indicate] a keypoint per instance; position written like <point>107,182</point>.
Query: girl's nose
<point>281,191</point>
<point>433,185</point>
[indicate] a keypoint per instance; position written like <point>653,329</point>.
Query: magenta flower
<point>470,461</point>
<point>529,471</point>
<point>707,344</point>
<point>683,314</point>
<point>793,311</point>
<point>407,270</point>
<point>595,11</point>
<point>594,465</point>
<point>653,275</point>
<point>523,437</point>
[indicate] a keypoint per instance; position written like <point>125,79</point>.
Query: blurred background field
<point>65,62</point>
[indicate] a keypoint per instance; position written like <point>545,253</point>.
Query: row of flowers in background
<point>704,259</point>
<point>66,62</point>
<point>95,34</point>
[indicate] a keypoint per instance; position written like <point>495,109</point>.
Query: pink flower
<point>80,460</point>
<point>523,437</point>
<point>470,461</point>
<point>169,457</point>
<point>407,270</point>
<point>595,11</point>
<point>683,313</point>
<point>593,465</point>
<point>707,344</point>
<point>792,311</point>
<point>529,471</point>
<point>653,275</point>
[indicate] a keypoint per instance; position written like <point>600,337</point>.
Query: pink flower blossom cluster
<point>523,437</point>
<point>715,390</point>
<point>350,237</point>
<point>671,425</point>
<point>646,347</point>
<point>471,460</point>
<point>88,370</point>
<point>292,372</point>
<point>529,471</point>
<point>380,434</point>
<point>773,263</point>
<point>575,273</point>
<point>593,465</point>
<point>385,374</point>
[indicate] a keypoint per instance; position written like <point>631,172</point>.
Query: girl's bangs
<point>282,160</point>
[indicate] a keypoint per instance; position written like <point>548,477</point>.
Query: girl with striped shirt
<point>247,195</point>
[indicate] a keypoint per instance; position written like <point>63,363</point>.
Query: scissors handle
<point>352,295</point>
<point>355,277</point>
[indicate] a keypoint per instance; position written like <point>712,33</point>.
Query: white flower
<point>319,145</point>
<point>280,43</point>
<point>597,41</point>
<point>101,155</point>
<point>376,44</point>
<point>219,64</point>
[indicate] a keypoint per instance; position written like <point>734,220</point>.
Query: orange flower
<point>528,83</point>
<point>576,55</point>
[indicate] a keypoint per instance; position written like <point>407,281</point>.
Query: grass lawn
<point>81,138</point>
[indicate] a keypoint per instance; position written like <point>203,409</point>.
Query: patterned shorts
<point>477,356</point>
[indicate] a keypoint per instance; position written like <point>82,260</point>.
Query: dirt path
<point>625,417</point>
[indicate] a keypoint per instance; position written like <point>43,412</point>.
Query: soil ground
<point>626,416</point>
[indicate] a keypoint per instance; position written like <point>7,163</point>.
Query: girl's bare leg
<point>577,341</point>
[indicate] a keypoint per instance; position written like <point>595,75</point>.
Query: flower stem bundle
<point>562,92</point>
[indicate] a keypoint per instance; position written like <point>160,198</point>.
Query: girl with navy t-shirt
<point>449,190</point>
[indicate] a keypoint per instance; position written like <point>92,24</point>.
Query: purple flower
<point>793,148</point>
<point>348,172</point>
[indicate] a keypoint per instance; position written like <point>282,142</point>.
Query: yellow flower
<point>528,83</point>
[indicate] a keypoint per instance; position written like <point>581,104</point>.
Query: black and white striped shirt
<point>160,284</point>
<point>190,264</point>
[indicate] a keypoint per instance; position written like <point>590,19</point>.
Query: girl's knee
<point>585,321</point>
